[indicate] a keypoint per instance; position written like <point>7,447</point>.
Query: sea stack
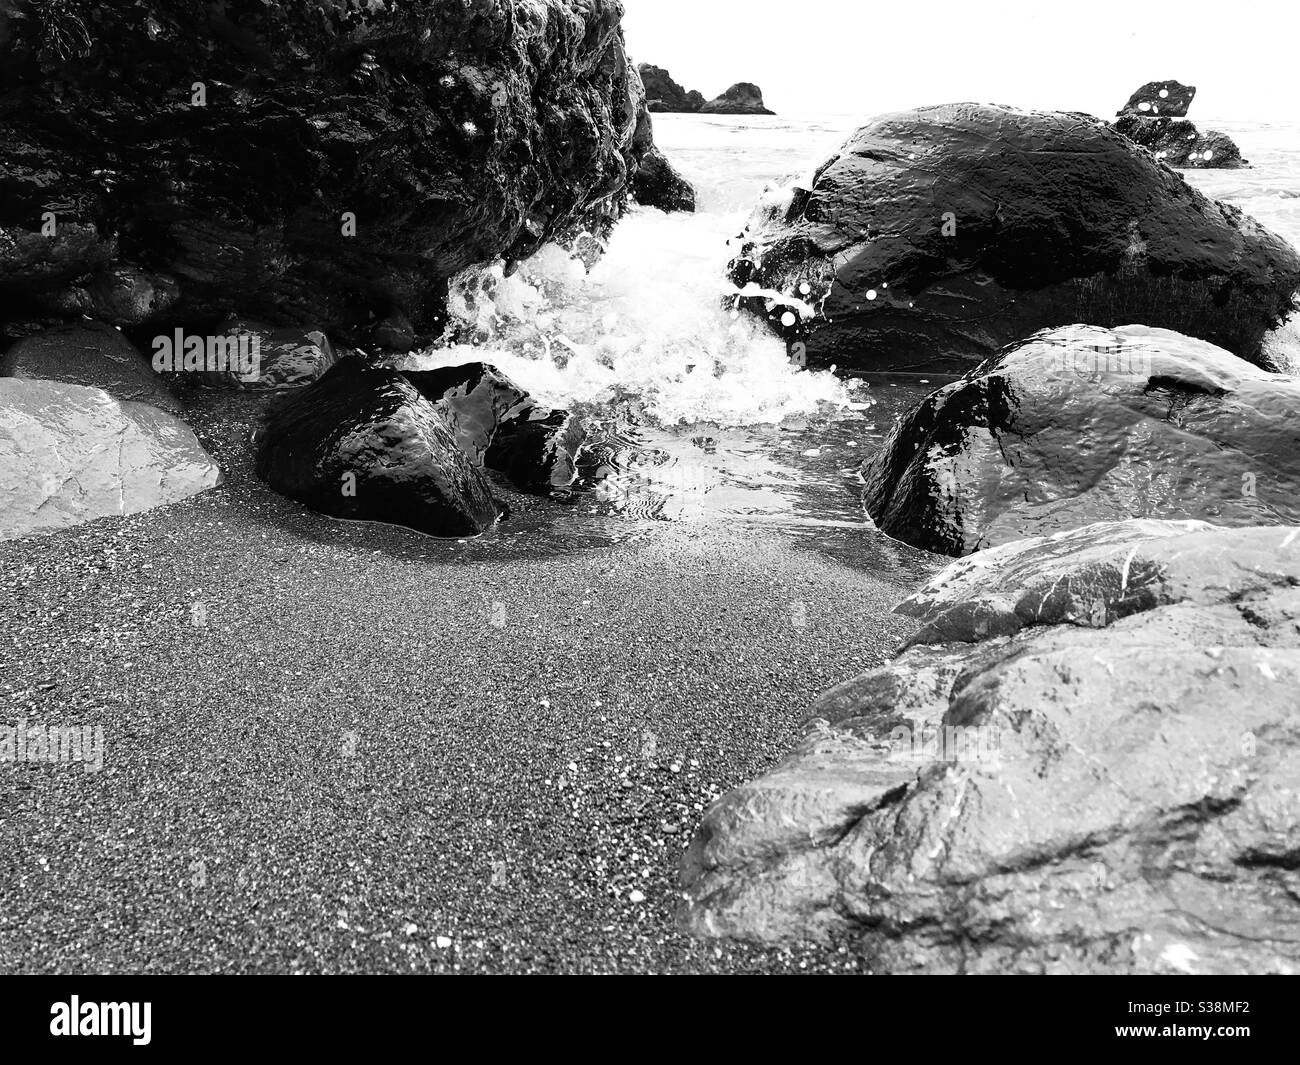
<point>743,98</point>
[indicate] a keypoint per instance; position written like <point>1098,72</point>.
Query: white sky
<point>868,58</point>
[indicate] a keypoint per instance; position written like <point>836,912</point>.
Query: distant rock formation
<point>1154,117</point>
<point>743,98</point>
<point>664,95</point>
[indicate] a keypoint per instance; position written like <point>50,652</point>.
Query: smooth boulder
<point>70,453</point>
<point>90,354</point>
<point>1104,792</point>
<point>363,444</point>
<point>1082,424</point>
<point>935,237</point>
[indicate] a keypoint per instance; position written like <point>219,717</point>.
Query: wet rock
<point>538,449</point>
<point>1177,142</point>
<point>1082,424</point>
<point>663,94</point>
<point>657,184</point>
<point>280,358</point>
<point>743,98</point>
<point>1109,799</point>
<point>501,427</point>
<point>935,237</point>
<point>70,454</point>
<point>90,354</point>
<point>362,443</point>
<point>300,166</point>
<point>1167,99</point>
<point>394,332</point>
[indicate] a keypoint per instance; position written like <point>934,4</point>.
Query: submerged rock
<point>91,354</point>
<point>1167,99</point>
<point>362,443</point>
<point>300,165</point>
<point>1081,424</point>
<point>743,98</point>
<point>70,454</point>
<point>1112,798</point>
<point>664,95</point>
<point>935,237</point>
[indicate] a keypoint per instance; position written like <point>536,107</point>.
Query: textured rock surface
<point>663,94</point>
<point>90,354</point>
<point>1079,425</point>
<point>229,150</point>
<point>290,357</point>
<point>743,98</point>
<point>70,454</point>
<point>1114,798</point>
<point>657,184</point>
<point>362,443</point>
<point>538,449</point>
<point>1168,99</point>
<point>937,236</point>
<point>1177,142</point>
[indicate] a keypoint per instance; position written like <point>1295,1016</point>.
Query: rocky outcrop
<point>90,354</point>
<point>70,454</point>
<point>1166,99</point>
<point>1081,425</point>
<point>1155,117</point>
<point>743,98</point>
<point>657,184</point>
<point>1085,763</point>
<point>935,237</point>
<point>663,94</point>
<point>363,444</point>
<point>302,165</point>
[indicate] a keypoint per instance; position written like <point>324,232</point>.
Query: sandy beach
<point>339,747</point>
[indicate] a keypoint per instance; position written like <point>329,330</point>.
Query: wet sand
<point>382,752</point>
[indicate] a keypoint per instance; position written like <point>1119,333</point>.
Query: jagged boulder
<point>1082,424</point>
<point>70,453</point>
<point>743,98</point>
<point>935,237</point>
<point>1105,786</point>
<point>1167,99</point>
<point>1177,142</point>
<point>320,165</point>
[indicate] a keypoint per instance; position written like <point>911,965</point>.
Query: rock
<point>1111,799</point>
<point>70,454</point>
<point>1166,99</point>
<point>743,98</point>
<point>937,236</point>
<point>657,184</point>
<point>90,354</point>
<point>363,444</point>
<point>300,166</point>
<point>663,94</point>
<point>282,358</point>
<point>394,332</point>
<point>1177,142</point>
<point>1081,424</point>
<point>538,449</point>
<point>498,425</point>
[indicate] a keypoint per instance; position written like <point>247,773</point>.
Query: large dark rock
<point>362,443</point>
<point>498,425</point>
<point>1167,99</point>
<point>91,354</point>
<point>1101,780</point>
<point>937,236</point>
<point>70,454</point>
<point>743,98</point>
<point>663,94</point>
<point>1177,142</point>
<point>657,184</point>
<point>203,159</point>
<point>1082,424</point>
